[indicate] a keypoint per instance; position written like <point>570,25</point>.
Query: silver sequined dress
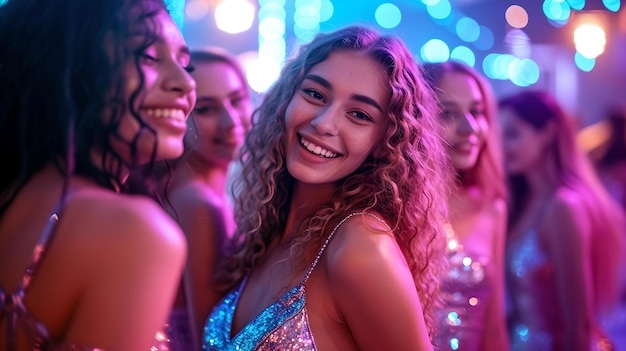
<point>465,290</point>
<point>284,325</point>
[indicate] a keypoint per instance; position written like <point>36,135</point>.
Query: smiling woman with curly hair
<point>341,206</point>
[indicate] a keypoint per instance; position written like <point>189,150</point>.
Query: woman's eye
<point>477,112</point>
<point>203,110</point>
<point>314,94</point>
<point>361,115</point>
<point>189,68</point>
<point>447,115</point>
<point>148,58</point>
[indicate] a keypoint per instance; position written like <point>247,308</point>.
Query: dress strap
<point>329,238</point>
<point>12,305</point>
<point>42,245</point>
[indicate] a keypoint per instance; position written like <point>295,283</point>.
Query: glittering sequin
<point>464,289</point>
<point>535,322</point>
<point>282,326</point>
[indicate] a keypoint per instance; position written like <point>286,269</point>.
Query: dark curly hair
<point>62,86</point>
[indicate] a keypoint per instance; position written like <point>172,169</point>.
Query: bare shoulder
<point>105,217</point>
<point>360,243</point>
<point>565,212</point>
<point>566,203</point>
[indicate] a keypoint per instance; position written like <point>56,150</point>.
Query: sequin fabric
<point>465,290</point>
<point>282,326</point>
<point>534,322</point>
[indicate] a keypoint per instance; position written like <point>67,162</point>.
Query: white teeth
<point>318,150</point>
<point>169,113</point>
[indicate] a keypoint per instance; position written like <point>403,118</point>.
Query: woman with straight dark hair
<point>565,245</point>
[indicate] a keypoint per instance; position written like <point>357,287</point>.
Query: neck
<point>212,176</point>
<point>305,201</point>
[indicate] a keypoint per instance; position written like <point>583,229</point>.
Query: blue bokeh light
<point>388,16</point>
<point>463,54</point>
<point>583,63</point>
<point>440,10</point>
<point>467,29</point>
<point>435,50</point>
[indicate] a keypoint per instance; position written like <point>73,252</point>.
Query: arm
<point>374,290</point>
<point>204,227</point>
<point>565,229</point>
<point>133,259</point>
<point>496,335</point>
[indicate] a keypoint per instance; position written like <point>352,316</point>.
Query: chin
<point>463,165</point>
<point>169,151</point>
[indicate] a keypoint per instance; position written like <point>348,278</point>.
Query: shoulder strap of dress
<point>42,245</point>
<point>330,237</point>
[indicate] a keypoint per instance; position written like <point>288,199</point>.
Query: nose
<point>467,124</point>
<point>325,122</point>
<point>178,80</point>
<point>229,115</point>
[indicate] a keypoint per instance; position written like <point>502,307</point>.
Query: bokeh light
<point>590,40</point>
<point>612,5</point>
<point>260,73</point>
<point>439,9</point>
<point>518,42</point>
<point>523,72</point>
<point>326,10</point>
<point>516,16</point>
<point>467,29</point>
<point>234,16</point>
<point>463,54</point>
<point>194,9</point>
<point>576,4</point>
<point>557,12</point>
<point>584,64</point>
<point>388,15</point>
<point>435,50</point>
<point>485,39</point>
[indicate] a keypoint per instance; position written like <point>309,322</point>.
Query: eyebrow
<point>358,97</point>
<point>235,93</point>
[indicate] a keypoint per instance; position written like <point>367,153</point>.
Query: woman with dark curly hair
<point>89,90</point>
<point>339,237</point>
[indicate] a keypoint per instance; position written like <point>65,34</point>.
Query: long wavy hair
<point>62,86</point>
<point>488,173</point>
<point>404,187</point>
<point>573,170</point>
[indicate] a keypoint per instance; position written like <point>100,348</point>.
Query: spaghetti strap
<point>12,306</point>
<point>42,245</point>
<point>329,238</point>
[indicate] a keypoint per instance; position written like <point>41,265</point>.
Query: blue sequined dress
<point>284,325</point>
<point>534,321</point>
<point>465,290</point>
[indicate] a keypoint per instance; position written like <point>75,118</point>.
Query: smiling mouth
<point>167,113</point>
<point>317,150</point>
